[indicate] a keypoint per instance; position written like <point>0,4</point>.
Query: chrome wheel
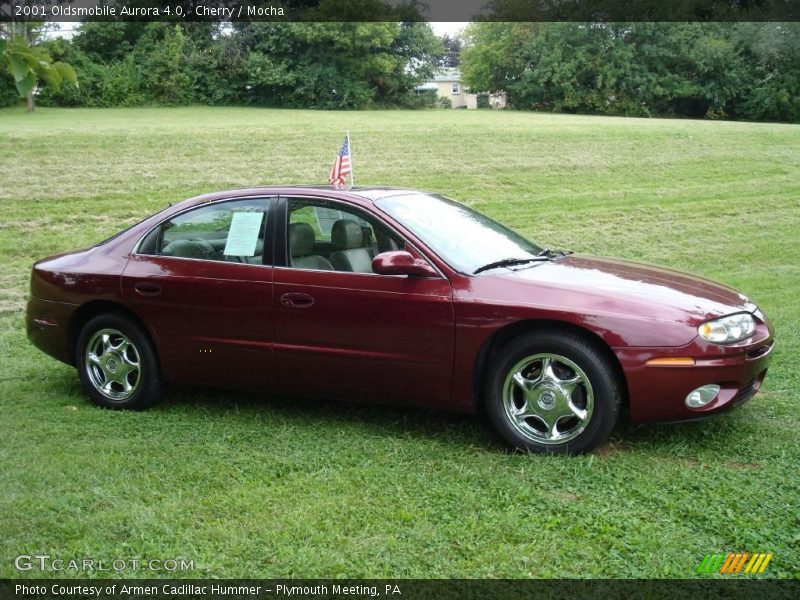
<point>113,365</point>
<point>548,398</point>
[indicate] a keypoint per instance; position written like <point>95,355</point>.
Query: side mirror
<point>400,262</point>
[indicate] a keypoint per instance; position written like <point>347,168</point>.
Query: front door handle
<point>297,300</point>
<point>147,288</point>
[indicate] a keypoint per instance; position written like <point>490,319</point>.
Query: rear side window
<point>233,231</point>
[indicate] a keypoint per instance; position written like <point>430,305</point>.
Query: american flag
<point>341,166</point>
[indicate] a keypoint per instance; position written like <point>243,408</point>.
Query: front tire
<point>552,392</point>
<point>117,364</point>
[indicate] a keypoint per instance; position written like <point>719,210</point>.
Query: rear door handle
<point>297,300</point>
<point>147,288</point>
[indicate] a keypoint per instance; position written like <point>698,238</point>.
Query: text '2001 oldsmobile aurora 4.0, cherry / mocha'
<point>394,296</point>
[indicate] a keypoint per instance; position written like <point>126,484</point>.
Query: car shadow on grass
<point>198,404</point>
<point>378,420</point>
<point>469,431</point>
<point>685,440</point>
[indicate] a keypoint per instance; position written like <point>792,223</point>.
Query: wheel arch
<point>505,334</point>
<point>93,308</point>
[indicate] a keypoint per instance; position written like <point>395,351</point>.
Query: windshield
<point>465,239</point>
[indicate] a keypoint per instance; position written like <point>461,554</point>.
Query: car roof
<point>376,193</point>
<point>372,193</point>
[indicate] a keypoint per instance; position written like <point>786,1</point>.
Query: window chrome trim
<point>356,273</point>
<point>203,260</point>
<point>270,207</point>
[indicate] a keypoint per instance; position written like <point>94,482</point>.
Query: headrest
<point>188,249</point>
<point>385,241</point>
<point>347,234</point>
<point>301,239</point>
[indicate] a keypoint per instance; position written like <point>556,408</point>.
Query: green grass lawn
<point>250,485</point>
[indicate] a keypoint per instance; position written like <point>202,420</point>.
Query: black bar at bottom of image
<point>308,589</point>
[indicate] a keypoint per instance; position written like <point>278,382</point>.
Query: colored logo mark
<point>734,563</point>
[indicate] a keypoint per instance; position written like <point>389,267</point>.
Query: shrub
<point>444,102</point>
<point>423,99</point>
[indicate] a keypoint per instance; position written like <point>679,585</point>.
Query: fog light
<point>701,396</point>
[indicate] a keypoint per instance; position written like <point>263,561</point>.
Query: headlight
<point>727,330</point>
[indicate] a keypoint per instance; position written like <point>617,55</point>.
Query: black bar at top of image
<point>401,10</point>
<point>400,589</point>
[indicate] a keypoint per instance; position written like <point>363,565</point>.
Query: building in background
<point>447,84</point>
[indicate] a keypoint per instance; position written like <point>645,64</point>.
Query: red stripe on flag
<point>341,166</point>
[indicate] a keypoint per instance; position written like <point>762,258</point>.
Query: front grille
<point>746,392</point>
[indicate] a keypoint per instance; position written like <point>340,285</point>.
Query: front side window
<point>455,88</point>
<point>231,231</point>
<point>325,236</point>
<point>462,237</point>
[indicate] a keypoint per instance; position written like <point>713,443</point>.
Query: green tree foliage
<point>30,65</point>
<point>102,84</point>
<point>332,65</point>
<point>491,60</point>
<point>106,42</point>
<point>452,51</point>
<point>774,89</point>
<point>163,54</point>
<point>8,91</point>
<point>307,65</point>
<point>702,70</point>
<point>713,70</point>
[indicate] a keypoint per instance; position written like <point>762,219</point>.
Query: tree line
<point>745,71</point>
<point>742,71</point>
<point>298,65</point>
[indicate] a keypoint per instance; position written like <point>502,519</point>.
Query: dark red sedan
<point>394,296</point>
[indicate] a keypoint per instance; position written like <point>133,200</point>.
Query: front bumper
<point>658,393</point>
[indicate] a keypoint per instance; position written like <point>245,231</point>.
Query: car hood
<point>617,286</point>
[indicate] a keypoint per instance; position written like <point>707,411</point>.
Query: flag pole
<point>350,151</point>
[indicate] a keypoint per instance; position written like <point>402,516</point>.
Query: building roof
<point>429,86</point>
<point>449,74</point>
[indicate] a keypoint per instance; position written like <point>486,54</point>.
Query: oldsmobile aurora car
<point>394,296</point>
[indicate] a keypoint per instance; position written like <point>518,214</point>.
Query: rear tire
<point>117,364</point>
<point>552,392</point>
